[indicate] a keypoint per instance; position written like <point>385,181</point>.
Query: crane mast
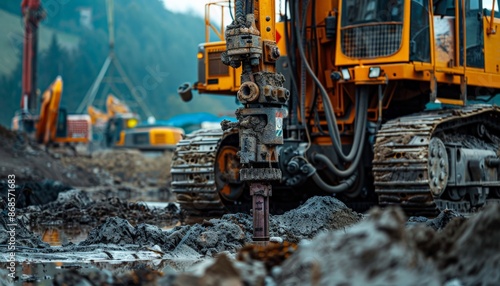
<point>33,14</point>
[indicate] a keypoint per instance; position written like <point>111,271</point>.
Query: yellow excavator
<point>121,129</point>
<point>55,126</point>
<point>372,101</point>
<point>50,125</point>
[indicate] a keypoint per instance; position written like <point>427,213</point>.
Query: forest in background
<point>150,43</point>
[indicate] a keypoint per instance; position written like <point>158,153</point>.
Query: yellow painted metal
<point>49,111</point>
<point>265,22</point>
<point>281,43</point>
<point>121,141</point>
<point>491,50</point>
<point>226,83</point>
<point>165,136</point>
<point>451,101</point>
<point>447,68</point>
<point>402,54</point>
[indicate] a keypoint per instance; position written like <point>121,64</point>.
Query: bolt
<point>275,53</point>
<point>442,163</point>
<point>442,176</point>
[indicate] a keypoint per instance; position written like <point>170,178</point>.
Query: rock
<point>17,235</point>
<point>376,251</point>
<point>113,231</point>
<point>222,271</point>
<point>472,249</point>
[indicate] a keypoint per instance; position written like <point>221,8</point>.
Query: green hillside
<point>11,41</point>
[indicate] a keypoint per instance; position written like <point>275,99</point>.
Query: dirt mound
<point>29,162</point>
<point>221,271</point>
<point>34,193</point>
<point>382,251</point>
<point>126,165</point>
<point>437,223</point>
<point>77,207</point>
<point>317,214</point>
<point>231,232</point>
<point>22,236</point>
<point>377,251</point>
<point>209,238</point>
<point>466,250</point>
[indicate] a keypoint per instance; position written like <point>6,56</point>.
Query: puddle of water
<point>43,273</point>
<point>59,235</point>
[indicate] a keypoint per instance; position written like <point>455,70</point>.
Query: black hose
<point>361,119</point>
<point>240,14</point>
<point>332,121</point>
<point>342,187</point>
<point>249,7</point>
<point>334,133</point>
<point>291,67</point>
<point>230,10</point>
<point>303,86</point>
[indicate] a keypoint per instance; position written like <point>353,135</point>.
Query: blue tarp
<point>189,119</point>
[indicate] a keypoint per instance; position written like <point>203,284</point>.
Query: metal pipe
<point>260,193</point>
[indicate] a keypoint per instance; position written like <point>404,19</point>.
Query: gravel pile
<point>77,207</point>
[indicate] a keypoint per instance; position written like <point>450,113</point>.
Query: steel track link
<point>193,173</point>
<point>401,157</point>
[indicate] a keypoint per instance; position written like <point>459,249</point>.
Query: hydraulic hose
<point>249,7</point>
<point>342,187</point>
<point>360,128</point>
<point>240,14</point>
<point>332,122</point>
<point>303,86</point>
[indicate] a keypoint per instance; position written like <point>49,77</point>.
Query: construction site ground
<point>108,218</point>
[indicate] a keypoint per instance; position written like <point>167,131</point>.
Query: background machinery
<point>119,127</point>
<point>343,109</point>
<point>51,124</point>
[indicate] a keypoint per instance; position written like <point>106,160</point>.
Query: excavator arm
<point>49,111</point>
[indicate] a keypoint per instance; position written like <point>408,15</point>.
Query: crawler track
<point>402,157</point>
<point>193,173</point>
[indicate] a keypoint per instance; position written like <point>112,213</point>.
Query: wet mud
<point>322,242</point>
<point>77,207</point>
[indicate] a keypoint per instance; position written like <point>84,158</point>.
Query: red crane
<point>33,14</point>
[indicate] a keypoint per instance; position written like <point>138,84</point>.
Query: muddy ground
<point>131,242</point>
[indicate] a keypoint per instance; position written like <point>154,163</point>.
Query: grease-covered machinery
<point>370,100</point>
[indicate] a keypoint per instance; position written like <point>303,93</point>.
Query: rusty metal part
<point>205,172</point>
<point>249,92</point>
<point>438,166</point>
<point>407,160</point>
<point>260,193</point>
<point>274,254</point>
<point>243,42</point>
<point>260,121</point>
<point>227,173</point>
<point>193,174</point>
